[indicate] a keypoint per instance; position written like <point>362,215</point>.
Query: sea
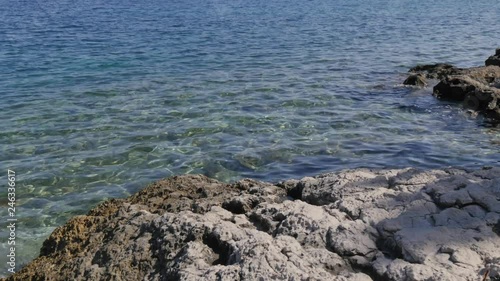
<point>99,98</point>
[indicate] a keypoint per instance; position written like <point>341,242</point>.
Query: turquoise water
<point>100,98</point>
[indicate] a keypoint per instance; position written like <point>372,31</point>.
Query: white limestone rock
<point>359,225</point>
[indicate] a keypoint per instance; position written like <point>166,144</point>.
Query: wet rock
<point>478,88</point>
<point>473,90</point>
<point>362,224</point>
<point>435,71</point>
<point>494,60</point>
<point>416,80</point>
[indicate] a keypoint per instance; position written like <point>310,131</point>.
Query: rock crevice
<point>362,224</point>
<point>478,88</point>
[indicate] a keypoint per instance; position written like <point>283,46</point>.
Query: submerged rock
<point>360,224</point>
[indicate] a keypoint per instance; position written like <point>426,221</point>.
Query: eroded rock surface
<point>435,71</point>
<point>416,80</point>
<point>357,224</point>
<point>495,59</point>
<point>475,87</point>
<point>478,88</point>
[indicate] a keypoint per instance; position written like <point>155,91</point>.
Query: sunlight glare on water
<point>100,98</point>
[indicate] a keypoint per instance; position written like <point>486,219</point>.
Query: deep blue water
<point>100,98</point>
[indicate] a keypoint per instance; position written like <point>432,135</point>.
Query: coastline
<point>360,224</point>
<point>189,113</point>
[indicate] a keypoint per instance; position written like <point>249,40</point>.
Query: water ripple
<point>102,98</point>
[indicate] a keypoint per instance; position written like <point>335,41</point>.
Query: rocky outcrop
<point>435,71</point>
<point>478,88</point>
<point>360,224</point>
<point>494,60</point>
<point>416,80</point>
<point>475,87</point>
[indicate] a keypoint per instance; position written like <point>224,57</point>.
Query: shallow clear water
<point>100,98</point>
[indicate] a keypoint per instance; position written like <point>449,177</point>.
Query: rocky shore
<point>478,88</point>
<point>361,224</point>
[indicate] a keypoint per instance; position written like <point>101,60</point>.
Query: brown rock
<point>416,80</point>
<point>478,88</point>
<point>107,244</point>
<point>358,225</point>
<point>473,88</point>
<point>435,71</point>
<point>494,60</point>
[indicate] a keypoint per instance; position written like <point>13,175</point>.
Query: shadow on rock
<point>478,88</point>
<point>359,225</point>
